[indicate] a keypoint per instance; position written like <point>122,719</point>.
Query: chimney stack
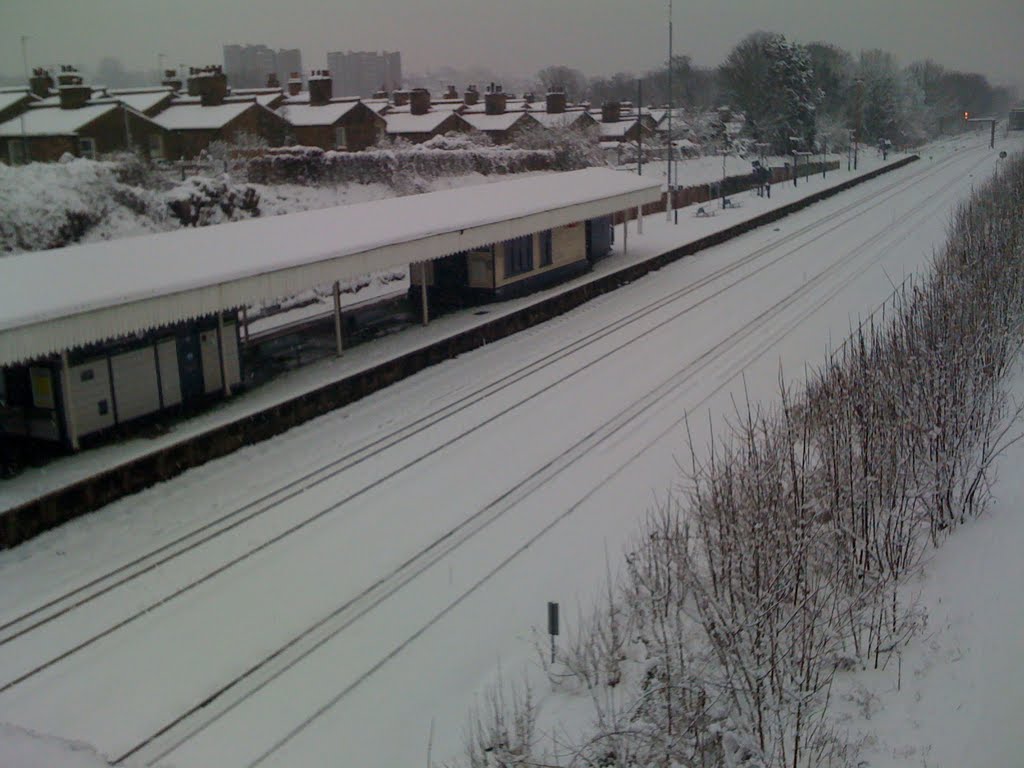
<point>320,87</point>
<point>41,82</point>
<point>611,111</point>
<point>171,80</point>
<point>494,100</point>
<point>451,93</point>
<point>381,94</point>
<point>400,98</point>
<point>555,102</point>
<point>294,83</point>
<point>472,96</point>
<point>73,93</point>
<point>210,84</point>
<point>419,101</point>
<point>272,81</point>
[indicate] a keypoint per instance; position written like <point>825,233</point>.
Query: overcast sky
<point>508,36</point>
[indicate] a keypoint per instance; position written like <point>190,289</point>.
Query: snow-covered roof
<point>54,121</point>
<point>500,122</point>
<point>141,100</point>
<point>408,123</point>
<point>193,116</point>
<point>562,119</point>
<point>112,288</point>
<point>325,114</point>
<point>10,98</point>
<point>380,106</point>
<point>617,129</point>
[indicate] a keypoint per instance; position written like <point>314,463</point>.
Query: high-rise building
<point>247,66</point>
<point>288,60</point>
<point>360,73</point>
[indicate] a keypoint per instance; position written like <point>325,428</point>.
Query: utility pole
<point>668,175</point>
<point>640,135</point>
<point>24,139</point>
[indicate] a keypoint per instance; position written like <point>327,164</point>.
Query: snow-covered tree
<point>772,81</point>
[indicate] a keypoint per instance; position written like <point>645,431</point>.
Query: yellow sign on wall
<point>42,387</point>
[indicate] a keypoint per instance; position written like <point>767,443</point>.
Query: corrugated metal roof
<point>118,287</point>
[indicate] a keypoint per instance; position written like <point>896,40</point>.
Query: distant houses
<point>180,120</point>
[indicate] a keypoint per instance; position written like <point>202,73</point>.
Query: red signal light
<point>966,115</point>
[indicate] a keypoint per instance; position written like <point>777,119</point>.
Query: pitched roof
<point>428,123</point>
<point>563,119</point>
<point>324,114</point>
<point>194,116</point>
<point>141,100</point>
<point>501,122</point>
<point>618,129</point>
<point>10,98</point>
<point>54,121</point>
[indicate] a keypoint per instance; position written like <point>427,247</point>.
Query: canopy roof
<point>68,297</point>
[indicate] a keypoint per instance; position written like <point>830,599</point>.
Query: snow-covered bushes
<point>395,165</point>
<point>48,205</point>
<point>200,201</point>
<point>784,561</point>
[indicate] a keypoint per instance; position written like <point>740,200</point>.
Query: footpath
<point>44,497</point>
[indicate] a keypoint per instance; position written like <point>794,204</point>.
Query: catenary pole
<point>668,174</point>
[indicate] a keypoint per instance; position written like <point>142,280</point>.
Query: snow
<point>570,479</point>
<point>54,121</point>
<point>500,122</point>
<point>20,748</point>
<point>142,99</point>
<point>10,98</point>
<point>399,123</point>
<point>183,117</point>
<point>325,114</point>
<point>121,271</point>
<point>562,119</point>
<point>959,700</point>
<point>617,129</point>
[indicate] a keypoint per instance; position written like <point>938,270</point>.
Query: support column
<point>69,408</point>
<point>245,324</point>
<point>220,355</point>
<point>337,316</point>
<point>423,292</point>
<point>625,233</point>
<point>639,219</point>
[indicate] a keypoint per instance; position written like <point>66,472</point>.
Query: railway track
<point>428,556</point>
<point>53,609</point>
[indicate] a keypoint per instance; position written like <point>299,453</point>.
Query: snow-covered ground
<point>382,593</point>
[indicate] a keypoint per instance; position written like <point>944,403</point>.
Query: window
<point>545,248</point>
<point>340,137</point>
<point>87,147</point>
<point>88,375</point>
<point>518,255</point>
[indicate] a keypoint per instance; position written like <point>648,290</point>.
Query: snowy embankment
<point>779,587</point>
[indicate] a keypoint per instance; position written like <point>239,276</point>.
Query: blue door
<point>190,367</point>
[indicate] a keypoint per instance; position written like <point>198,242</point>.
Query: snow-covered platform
<point>308,392</point>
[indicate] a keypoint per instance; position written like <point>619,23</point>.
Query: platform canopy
<point>68,297</point>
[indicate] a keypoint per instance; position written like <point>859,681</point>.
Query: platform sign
<point>553,627</point>
<point>42,387</point>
